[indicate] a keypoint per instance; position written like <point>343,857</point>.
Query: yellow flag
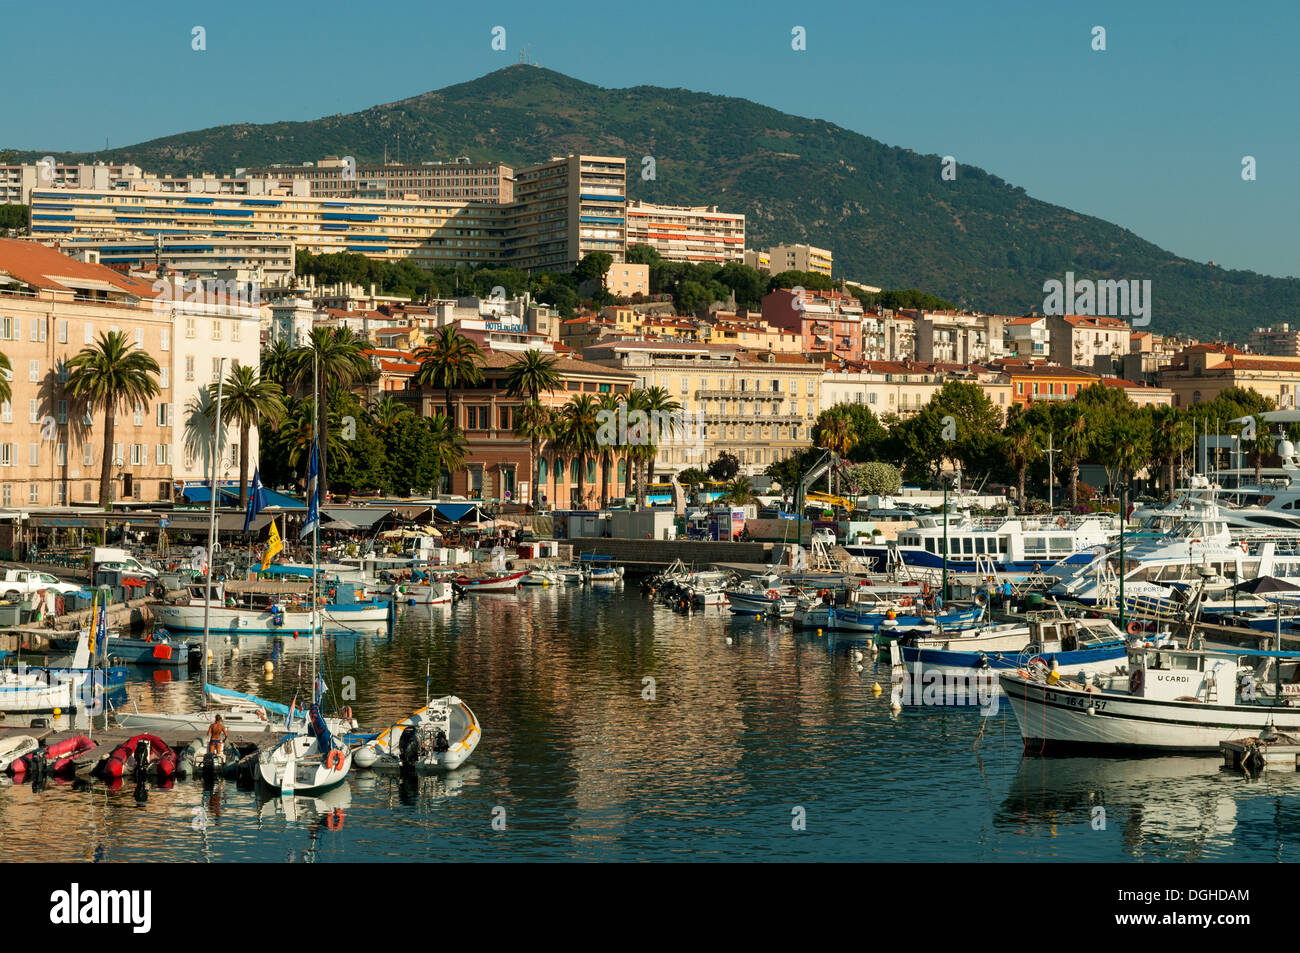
<point>273,546</point>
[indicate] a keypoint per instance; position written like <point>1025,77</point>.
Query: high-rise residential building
<point>687,233</point>
<point>17,182</point>
<point>567,208</point>
<point>460,180</point>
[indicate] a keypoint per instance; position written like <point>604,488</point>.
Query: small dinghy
<point>61,758</point>
<point>442,734</point>
<point>141,756</point>
<point>11,749</point>
<point>196,761</point>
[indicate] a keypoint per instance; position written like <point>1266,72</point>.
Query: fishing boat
<point>269,607</point>
<point>571,574</point>
<point>600,569</point>
<point>442,734</point>
<point>503,582</point>
<point>1171,700</point>
<point>422,591</point>
<point>541,577</point>
<point>305,763</point>
<point>1057,643</point>
<point>158,649</point>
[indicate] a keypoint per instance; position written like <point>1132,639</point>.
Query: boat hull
<point>337,620</point>
<point>1054,717</point>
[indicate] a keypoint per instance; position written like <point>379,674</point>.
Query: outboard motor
<point>141,754</point>
<point>408,745</point>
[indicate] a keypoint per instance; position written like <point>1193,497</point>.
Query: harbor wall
<point>654,554</point>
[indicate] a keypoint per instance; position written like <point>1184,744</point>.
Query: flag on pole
<point>293,711</point>
<point>273,545</point>
<point>313,496</point>
<point>256,499</point>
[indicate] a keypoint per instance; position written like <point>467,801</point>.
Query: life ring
<point>1244,548</point>
<point>346,713</point>
<point>1134,628</point>
<point>334,821</point>
<point>1062,522</point>
<point>905,602</point>
<point>824,593</point>
<point>773,595</point>
<point>334,760</point>
<point>1135,681</point>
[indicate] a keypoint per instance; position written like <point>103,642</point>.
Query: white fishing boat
<point>431,593</point>
<point>442,734</point>
<point>1171,700</point>
<point>542,577</point>
<point>1068,646</point>
<point>267,607</point>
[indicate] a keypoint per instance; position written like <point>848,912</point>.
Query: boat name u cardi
<point>76,906</point>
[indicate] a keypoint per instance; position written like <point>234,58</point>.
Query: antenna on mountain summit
<point>523,56</point>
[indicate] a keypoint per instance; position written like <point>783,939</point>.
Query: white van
<point>119,560</point>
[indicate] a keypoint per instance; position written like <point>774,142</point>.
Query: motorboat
<point>493,582</point>
<point>1171,699</point>
<point>442,734</point>
<point>271,607</point>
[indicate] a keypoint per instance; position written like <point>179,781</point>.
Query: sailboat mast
<point>315,531</point>
<point>217,432</point>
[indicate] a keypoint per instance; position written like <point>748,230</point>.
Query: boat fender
<point>334,760</point>
<point>1135,682</point>
<point>346,713</point>
<point>1134,628</point>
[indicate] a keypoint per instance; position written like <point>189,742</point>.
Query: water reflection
<point>744,723</point>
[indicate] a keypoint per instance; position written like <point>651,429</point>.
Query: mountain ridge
<point>884,211</point>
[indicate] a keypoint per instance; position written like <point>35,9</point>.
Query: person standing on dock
<point>217,736</point>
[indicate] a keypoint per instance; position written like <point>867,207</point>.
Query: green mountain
<point>885,212</point>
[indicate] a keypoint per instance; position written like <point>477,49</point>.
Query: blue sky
<point>1149,134</point>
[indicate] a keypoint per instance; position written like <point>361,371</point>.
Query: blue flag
<point>313,496</point>
<point>256,499</point>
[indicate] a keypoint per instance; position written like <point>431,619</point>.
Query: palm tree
<point>1022,449</point>
<point>451,360</point>
<point>449,447</point>
<point>739,491</point>
<point>580,426</point>
<point>608,403</point>
<point>654,401</point>
<point>111,375</point>
<point>534,422</point>
<point>299,435</point>
<point>278,364</point>
<point>559,444</point>
<point>6,375</point>
<point>246,400</point>
<point>385,415</point>
<point>1264,444</point>
<point>533,373</point>
<point>1075,442</point>
<point>336,356</point>
<point>1171,434</point>
<point>834,432</point>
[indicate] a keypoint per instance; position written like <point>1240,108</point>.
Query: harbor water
<point>617,729</point>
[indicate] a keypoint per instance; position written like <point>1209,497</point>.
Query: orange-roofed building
<point>1204,371</point>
